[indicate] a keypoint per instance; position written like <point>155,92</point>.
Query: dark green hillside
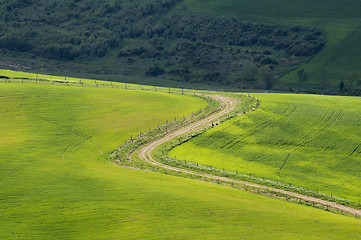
<point>71,30</point>
<point>155,38</point>
<point>338,61</point>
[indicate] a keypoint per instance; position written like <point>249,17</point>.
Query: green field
<point>55,183</point>
<point>306,140</point>
<point>339,19</point>
<point>32,77</point>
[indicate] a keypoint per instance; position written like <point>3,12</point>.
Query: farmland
<point>119,148</point>
<point>341,54</point>
<point>304,140</point>
<point>57,182</point>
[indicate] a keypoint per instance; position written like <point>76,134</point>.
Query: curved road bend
<point>227,105</point>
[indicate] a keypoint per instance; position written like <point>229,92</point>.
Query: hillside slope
<point>55,184</point>
<point>157,38</point>
<point>309,141</point>
<point>340,20</point>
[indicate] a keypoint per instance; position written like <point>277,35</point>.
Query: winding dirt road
<point>227,105</point>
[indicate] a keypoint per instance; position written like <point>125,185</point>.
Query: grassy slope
<point>307,140</point>
<point>55,184</point>
<point>32,76</point>
<point>116,80</point>
<point>339,19</point>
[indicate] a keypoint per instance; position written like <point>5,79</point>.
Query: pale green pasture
<point>33,77</point>
<point>305,140</point>
<point>55,184</point>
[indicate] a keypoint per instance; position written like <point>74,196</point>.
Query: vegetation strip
<point>228,104</point>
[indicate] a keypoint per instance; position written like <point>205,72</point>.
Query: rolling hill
<point>58,183</point>
<point>309,141</point>
<point>340,20</point>
<point>156,40</point>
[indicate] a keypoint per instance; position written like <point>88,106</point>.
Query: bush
<point>154,71</point>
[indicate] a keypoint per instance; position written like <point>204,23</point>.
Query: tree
<point>155,71</point>
<point>342,86</point>
<point>302,76</point>
<point>268,77</point>
<point>249,75</point>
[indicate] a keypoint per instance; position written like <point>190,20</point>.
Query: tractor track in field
<point>228,104</point>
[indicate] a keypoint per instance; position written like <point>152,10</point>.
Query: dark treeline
<point>157,38</point>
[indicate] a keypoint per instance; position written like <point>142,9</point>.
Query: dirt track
<point>227,105</point>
